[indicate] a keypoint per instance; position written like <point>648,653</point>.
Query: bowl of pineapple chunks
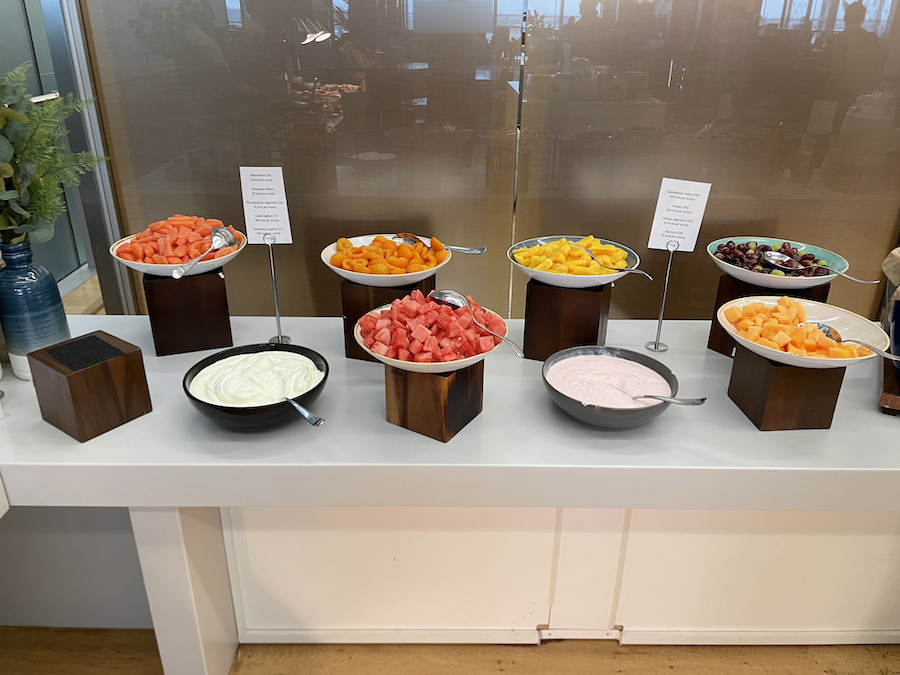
<point>783,329</point>
<point>559,260</point>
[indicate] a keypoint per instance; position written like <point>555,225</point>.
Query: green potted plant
<point>35,166</point>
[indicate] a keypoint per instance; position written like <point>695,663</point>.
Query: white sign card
<point>679,214</point>
<point>265,205</point>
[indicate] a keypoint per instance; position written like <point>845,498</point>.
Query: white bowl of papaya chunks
<point>385,261</point>
<point>782,329</point>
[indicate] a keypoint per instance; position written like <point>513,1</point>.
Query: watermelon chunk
<point>431,344</point>
<point>391,352</point>
<point>446,354</point>
<point>404,355</point>
<point>484,344</point>
<point>421,333</point>
<point>410,308</point>
<point>414,346</point>
<point>383,335</point>
<point>454,329</point>
<point>423,357</point>
<point>379,348</point>
<point>465,320</point>
<point>417,296</point>
<point>383,323</point>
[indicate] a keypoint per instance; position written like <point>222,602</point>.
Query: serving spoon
<point>447,297</point>
<point>413,239</point>
<point>626,270</point>
<point>307,415</point>
<point>778,260</point>
<point>834,335</point>
<point>672,399</point>
<point>221,238</point>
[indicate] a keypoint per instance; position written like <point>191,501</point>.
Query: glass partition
<point>410,131</point>
<point>774,102</point>
<point>420,126</point>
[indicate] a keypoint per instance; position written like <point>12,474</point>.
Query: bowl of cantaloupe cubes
<point>782,329</point>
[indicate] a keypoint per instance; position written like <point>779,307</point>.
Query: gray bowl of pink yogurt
<point>595,385</point>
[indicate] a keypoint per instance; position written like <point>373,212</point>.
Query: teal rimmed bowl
<point>777,282</point>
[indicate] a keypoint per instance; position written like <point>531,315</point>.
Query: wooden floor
<point>53,651</point>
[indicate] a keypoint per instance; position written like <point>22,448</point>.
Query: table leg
<point>4,502</point>
<point>182,554</point>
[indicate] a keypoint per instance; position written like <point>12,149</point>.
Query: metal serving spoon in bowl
<point>446,297</point>
<point>413,239</point>
<point>221,238</point>
<point>779,260</point>
<point>307,415</point>
<point>628,270</point>
<point>834,335</point>
<point>672,399</point>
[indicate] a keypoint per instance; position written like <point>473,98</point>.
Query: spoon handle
<point>512,345</point>
<point>676,401</point>
<point>859,281</point>
<point>179,272</point>
<point>307,415</point>
<point>880,352</point>
<point>478,250</point>
<point>628,270</point>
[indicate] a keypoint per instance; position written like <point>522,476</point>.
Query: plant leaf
<point>39,231</point>
<point>6,170</point>
<point>16,132</point>
<point>18,209</point>
<point>9,194</point>
<point>6,151</point>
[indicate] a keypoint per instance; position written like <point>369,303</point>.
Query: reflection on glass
<point>379,126</point>
<point>785,106</point>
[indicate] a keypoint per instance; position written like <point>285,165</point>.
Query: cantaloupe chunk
<point>838,353</point>
<point>854,352</point>
<point>825,341</point>
<point>781,338</point>
<point>791,349</point>
<point>744,324</point>
<point>733,314</point>
<point>768,343</point>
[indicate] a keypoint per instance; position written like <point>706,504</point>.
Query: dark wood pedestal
<point>434,405</point>
<point>90,384</point>
<point>559,318</point>
<point>188,314</point>
<point>357,299</point>
<point>776,397</point>
<point>731,289</point>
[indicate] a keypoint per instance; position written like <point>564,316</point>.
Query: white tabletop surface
<point>520,451</point>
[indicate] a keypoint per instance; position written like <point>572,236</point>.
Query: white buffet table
<point>173,468</point>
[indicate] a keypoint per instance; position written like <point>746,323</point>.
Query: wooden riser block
<point>775,396</point>
<point>188,314</point>
<point>559,318</point>
<point>357,300</point>
<point>731,289</point>
<point>434,405</point>
<point>889,403</point>
<point>91,384</point>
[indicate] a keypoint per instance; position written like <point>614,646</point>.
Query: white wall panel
<point>589,546</point>
<point>365,569</point>
<point>761,571</point>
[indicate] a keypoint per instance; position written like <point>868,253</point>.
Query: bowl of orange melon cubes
<point>167,244</point>
<point>383,261</point>
<point>783,330</point>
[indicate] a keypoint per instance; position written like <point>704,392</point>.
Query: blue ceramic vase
<point>31,311</point>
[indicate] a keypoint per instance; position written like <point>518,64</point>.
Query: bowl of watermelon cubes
<point>420,335</point>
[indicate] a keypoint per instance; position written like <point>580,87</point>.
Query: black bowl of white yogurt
<point>595,385</point>
<point>244,388</point>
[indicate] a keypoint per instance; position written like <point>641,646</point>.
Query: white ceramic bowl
<point>848,324</point>
<point>778,282</point>
<point>570,280</point>
<point>166,270</point>
<point>378,280</point>
<point>413,367</point>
